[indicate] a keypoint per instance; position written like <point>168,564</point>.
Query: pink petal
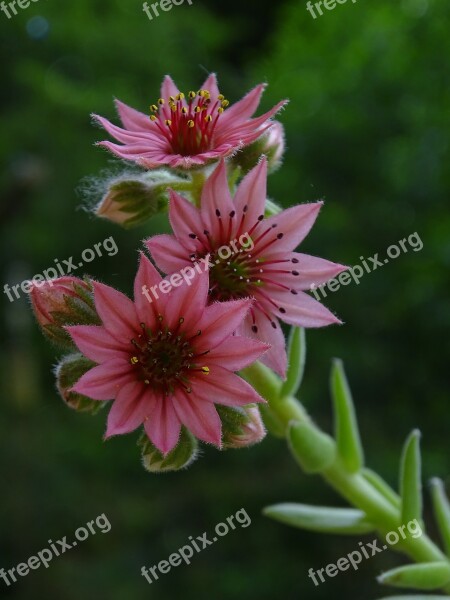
<point>302,310</point>
<point>250,198</point>
<point>146,278</point>
<point>220,320</point>
<point>250,129</point>
<point>188,301</point>
<point>105,381</point>
<point>144,136</point>
<point>169,255</point>
<point>211,85</point>
<point>293,224</point>
<point>186,222</point>
<point>236,353</point>
<point>132,119</point>
<point>245,108</point>
<point>95,342</point>
<point>223,387</point>
<point>217,205</point>
<point>276,357</point>
<point>199,417</point>
<point>163,426</point>
<point>129,409</point>
<point>168,88</point>
<point>116,311</point>
<point>303,273</point>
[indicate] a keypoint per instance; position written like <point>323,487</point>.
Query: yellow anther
<point>184,110</point>
<point>204,93</point>
<point>161,101</point>
<point>153,118</point>
<point>180,96</point>
<point>154,108</point>
<point>192,95</point>
<point>205,370</point>
<point>168,122</point>
<point>181,320</point>
<point>208,118</point>
<point>221,97</point>
<point>197,109</point>
<point>172,98</point>
<point>191,123</point>
<point>134,360</point>
<point>225,103</point>
<point>147,382</point>
<point>220,110</point>
<point>173,108</point>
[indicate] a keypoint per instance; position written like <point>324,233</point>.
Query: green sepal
<point>322,519</point>
<point>441,506</point>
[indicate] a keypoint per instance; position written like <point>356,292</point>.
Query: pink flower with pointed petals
<point>166,363</point>
<point>187,131</point>
<point>271,272</point>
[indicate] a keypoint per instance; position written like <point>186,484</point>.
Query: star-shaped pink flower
<point>266,269</point>
<point>185,131</point>
<point>166,363</point>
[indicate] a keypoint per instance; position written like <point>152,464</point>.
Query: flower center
<point>166,360</point>
<point>188,124</point>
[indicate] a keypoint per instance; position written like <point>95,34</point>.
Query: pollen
<point>205,370</point>
<point>134,360</point>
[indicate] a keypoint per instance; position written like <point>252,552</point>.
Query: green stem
<point>198,181</point>
<point>354,487</point>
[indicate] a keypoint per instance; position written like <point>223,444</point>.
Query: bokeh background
<point>367,130</point>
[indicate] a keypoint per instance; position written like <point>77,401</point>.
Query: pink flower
<point>264,266</point>
<point>166,363</point>
<point>49,297</point>
<point>184,132</point>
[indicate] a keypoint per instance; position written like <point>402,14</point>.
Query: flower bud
<point>60,302</point>
<point>131,202</point>
<point>181,457</point>
<point>271,144</point>
<point>242,427</point>
<point>68,372</point>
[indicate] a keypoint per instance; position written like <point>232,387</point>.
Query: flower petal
<point>167,252</point>
<point>268,331</point>
<point>217,205</point>
<point>302,310</point>
<point>236,353</point>
<point>132,119</point>
<point>293,225</point>
<point>186,222</point>
<point>105,381</point>
<point>220,320</point>
<point>199,417</point>
<point>211,85</point>
<point>250,198</point>
<point>163,425</point>
<point>129,409</point>
<point>116,311</point>
<point>242,110</point>
<point>224,387</point>
<point>298,271</point>
<point>188,301</point>
<point>147,304</point>
<point>95,342</point>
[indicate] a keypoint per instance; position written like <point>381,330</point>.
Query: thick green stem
<point>354,487</point>
<point>198,181</point>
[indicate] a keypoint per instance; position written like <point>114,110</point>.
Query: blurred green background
<point>367,130</point>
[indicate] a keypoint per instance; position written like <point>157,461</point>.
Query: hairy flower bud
<point>181,457</point>
<point>129,202</point>
<point>68,372</point>
<point>242,427</point>
<point>270,144</point>
<point>60,302</point>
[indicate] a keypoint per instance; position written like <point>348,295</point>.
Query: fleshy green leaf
<point>410,479</point>
<point>314,450</point>
<point>347,433</point>
<point>296,361</point>
<point>184,453</point>
<point>321,519</point>
<point>441,507</point>
<point>424,576</point>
